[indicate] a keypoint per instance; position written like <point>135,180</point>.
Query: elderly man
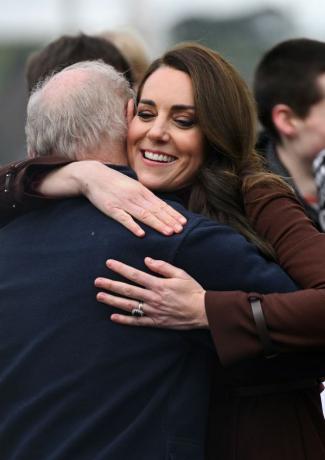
<point>74,385</point>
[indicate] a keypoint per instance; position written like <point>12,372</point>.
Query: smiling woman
<point>165,142</point>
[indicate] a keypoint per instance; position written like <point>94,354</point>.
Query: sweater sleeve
<point>16,185</point>
<point>294,320</point>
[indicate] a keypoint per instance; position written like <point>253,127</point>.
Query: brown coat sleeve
<point>16,194</point>
<point>296,321</point>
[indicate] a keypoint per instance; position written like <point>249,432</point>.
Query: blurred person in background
<point>60,53</point>
<point>289,88</point>
<point>69,49</point>
<point>133,47</point>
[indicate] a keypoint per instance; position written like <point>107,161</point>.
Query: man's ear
<point>285,120</point>
<point>31,154</point>
<point>130,111</point>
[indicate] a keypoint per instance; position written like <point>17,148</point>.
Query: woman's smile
<point>157,157</point>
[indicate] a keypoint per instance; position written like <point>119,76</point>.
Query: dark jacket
<point>267,147</point>
<point>73,384</point>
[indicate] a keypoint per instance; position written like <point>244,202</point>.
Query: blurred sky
<point>44,19</point>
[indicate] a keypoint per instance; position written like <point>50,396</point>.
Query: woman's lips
<point>158,157</point>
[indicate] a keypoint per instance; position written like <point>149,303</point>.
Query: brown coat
<point>287,425</point>
<point>264,424</point>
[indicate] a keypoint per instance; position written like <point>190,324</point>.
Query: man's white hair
<point>75,118</point>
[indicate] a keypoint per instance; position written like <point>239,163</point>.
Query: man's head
<point>289,89</point>
<point>68,50</point>
<point>79,113</point>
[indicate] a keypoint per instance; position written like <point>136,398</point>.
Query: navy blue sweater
<point>74,385</point>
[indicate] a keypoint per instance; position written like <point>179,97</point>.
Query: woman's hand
<point>115,194</point>
<point>174,302</point>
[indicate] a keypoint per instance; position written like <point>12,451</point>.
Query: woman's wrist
<point>81,174</point>
<point>67,181</point>
<point>202,318</point>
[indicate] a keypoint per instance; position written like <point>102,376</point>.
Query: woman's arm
<point>16,185</point>
<point>116,195</point>
<point>295,321</point>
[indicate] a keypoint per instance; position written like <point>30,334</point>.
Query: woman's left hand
<point>174,302</point>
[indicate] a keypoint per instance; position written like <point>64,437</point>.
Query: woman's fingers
<point>145,216</point>
<point>165,269</point>
<point>156,214</point>
<point>126,305</point>
<point>157,217</point>
<point>117,302</point>
<point>133,274</point>
<point>145,321</point>
<point>162,223</point>
<point>127,221</point>
<point>164,210</point>
<point>126,290</point>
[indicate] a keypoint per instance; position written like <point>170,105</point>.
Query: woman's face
<point>165,143</point>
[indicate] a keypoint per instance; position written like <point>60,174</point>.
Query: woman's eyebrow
<point>183,107</point>
<point>147,102</point>
<point>174,107</point>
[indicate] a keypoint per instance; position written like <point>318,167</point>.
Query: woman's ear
<point>285,120</point>
<point>130,111</point>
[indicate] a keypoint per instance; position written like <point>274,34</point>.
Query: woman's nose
<point>159,131</point>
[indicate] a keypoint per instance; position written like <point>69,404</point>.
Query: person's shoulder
<point>202,231</point>
<point>197,224</point>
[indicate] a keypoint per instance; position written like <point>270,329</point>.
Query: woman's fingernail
<point>168,231</point>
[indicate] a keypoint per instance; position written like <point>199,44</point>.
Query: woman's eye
<point>185,122</point>
<point>145,114</point>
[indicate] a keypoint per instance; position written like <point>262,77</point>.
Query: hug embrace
<point>212,342</point>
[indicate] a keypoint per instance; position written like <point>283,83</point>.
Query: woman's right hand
<point>115,194</point>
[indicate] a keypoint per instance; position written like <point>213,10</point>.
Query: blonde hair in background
<point>132,46</point>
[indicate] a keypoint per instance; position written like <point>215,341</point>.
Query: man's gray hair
<point>77,119</point>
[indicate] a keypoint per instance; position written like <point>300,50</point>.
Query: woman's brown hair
<point>226,114</point>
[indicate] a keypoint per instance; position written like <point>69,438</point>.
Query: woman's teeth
<point>163,158</point>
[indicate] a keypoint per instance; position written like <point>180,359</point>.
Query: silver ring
<point>138,312</point>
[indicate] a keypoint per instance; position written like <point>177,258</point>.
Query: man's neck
<point>299,169</point>
<point>107,153</point>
